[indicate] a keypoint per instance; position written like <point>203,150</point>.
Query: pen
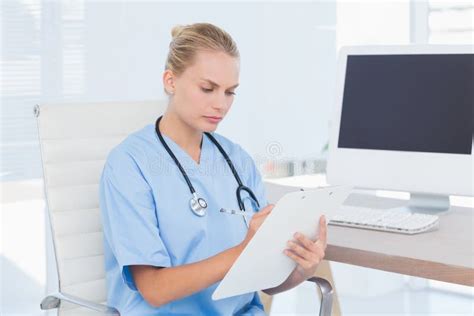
<point>247,214</point>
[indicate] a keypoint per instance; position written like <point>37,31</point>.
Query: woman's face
<point>204,92</point>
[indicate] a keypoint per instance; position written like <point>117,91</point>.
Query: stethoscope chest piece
<point>198,205</point>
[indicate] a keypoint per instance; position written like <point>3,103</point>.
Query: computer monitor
<point>404,121</point>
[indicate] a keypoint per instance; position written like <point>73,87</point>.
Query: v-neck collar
<point>185,159</point>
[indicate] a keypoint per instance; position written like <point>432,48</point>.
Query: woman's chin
<point>209,127</point>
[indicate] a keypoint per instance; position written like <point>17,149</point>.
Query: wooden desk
<point>446,254</point>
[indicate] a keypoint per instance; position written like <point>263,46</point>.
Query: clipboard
<point>262,264</point>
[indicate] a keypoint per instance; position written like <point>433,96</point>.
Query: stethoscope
<point>198,204</point>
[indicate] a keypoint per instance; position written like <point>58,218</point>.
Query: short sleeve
<point>129,217</point>
<point>253,178</point>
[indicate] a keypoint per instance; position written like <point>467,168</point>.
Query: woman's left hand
<point>306,252</point>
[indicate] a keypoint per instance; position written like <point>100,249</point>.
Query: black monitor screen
<point>422,103</point>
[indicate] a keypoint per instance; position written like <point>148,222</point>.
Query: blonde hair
<point>189,39</point>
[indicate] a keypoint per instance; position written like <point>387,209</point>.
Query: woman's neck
<point>182,134</point>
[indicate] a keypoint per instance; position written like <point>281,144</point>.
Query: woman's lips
<point>213,119</point>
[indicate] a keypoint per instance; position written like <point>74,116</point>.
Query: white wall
<point>373,22</point>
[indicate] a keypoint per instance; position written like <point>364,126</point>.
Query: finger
<point>323,231</point>
<point>265,211</point>
<point>320,250</point>
<point>296,258</point>
<point>300,251</point>
<point>305,241</point>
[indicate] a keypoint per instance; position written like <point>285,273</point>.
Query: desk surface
<point>446,254</point>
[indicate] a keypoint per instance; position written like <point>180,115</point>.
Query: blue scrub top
<point>147,220</point>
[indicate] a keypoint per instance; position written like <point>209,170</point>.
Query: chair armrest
<point>54,301</point>
<point>326,295</point>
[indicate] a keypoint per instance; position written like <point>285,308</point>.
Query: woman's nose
<point>220,102</point>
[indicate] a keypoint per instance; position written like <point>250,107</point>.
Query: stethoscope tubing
<point>240,186</point>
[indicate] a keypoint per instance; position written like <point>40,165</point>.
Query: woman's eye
<point>209,90</point>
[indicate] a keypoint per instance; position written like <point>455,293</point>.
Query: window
<point>42,61</point>
<point>450,22</point>
<point>20,85</point>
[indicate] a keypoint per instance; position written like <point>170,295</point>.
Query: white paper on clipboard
<point>262,264</point>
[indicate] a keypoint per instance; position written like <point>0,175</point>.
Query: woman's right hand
<point>255,223</point>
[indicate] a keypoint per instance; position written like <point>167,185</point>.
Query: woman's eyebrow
<point>216,85</point>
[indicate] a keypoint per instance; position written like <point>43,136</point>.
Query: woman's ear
<point>168,81</point>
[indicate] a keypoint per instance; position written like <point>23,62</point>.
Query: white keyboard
<point>390,220</point>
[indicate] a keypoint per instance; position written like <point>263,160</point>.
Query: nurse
<point>166,243</point>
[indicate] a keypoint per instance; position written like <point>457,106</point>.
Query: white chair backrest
<point>75,140</point>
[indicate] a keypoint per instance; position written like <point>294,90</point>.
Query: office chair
<point>75,140</point>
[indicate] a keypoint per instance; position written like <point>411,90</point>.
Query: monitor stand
<point>427,203</point>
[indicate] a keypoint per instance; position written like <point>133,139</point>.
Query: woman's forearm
<point>160,286</point>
